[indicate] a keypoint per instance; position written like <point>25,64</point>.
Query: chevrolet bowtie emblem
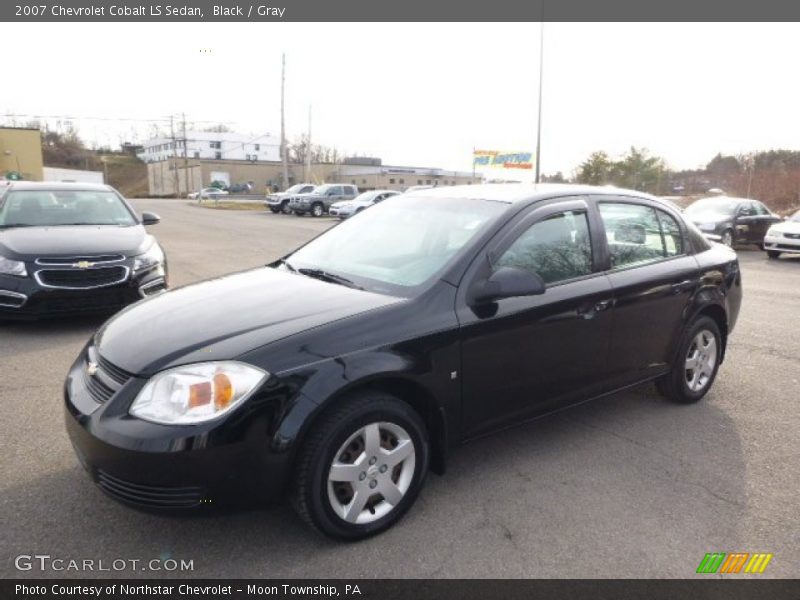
<point>91,369</point>
<point>82,264</point>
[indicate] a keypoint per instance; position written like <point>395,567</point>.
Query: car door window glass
<point>633,233</point>
<point>747,210</point>
<point>556,248</point>
<point>761,210</point>
<point>673,238</point>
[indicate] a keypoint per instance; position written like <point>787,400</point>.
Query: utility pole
<point>283,123</point>
<point>307,176</point>
<point>185,156</point>
<point>175,180</point>
<point>539,124</point>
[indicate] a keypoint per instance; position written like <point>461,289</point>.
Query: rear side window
<point>557,248</point>
<point>638,235</point>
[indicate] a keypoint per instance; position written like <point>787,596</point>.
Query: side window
<point>747,210</point>
<point>556,248</point>
<point>761,210</point>
<point>673,238</point>
<point>633,233</point>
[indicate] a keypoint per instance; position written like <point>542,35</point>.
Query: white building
<point>213,145</point>
<point>71,175</point>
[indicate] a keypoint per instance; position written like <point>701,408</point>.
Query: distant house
<point>210,145</point>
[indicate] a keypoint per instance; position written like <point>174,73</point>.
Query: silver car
<point>348,208</point>
<point>320,200</point>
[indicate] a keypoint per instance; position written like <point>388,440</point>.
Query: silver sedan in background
<point>348,208</point>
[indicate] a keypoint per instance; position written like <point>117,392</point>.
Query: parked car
<point>279,202</point>
<point>68,248</point>
<point>319,201</point>
<point>731,220</point>
<point>390,339</point>
<point>208,193</point>
<point>361,202</point>
<point>416,188</point>
<point>783,237</point>
<point>240,188</point>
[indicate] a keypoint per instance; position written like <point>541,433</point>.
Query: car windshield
<point>366,197</point>
<point>708,207</point>
<point>296,189</point>
<point>34,208</point>
<point>396,246</point>
<point>795,218</point>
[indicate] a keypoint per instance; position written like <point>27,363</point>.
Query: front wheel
<point>696,365</point>
<point>285,207</point>
<point>299,213</point>
<point>274,209</point>
<point>362,466</point>
<point>773,254</point>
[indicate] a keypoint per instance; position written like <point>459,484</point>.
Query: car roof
<point>511,193</point>
<point>59,186</point>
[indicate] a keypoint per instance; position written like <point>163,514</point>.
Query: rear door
<point>653,277</point>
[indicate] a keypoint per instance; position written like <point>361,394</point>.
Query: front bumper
<point>782,244</point>
<point>342,213</point>
<point>27,298</point>
<point>164,467</point>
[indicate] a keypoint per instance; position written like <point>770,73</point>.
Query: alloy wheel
<point>371,472</point>
<point>701,360</point>
<point>317,210</point>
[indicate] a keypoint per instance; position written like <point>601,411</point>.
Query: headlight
<point>707,226</point>
<point>12,267</point>
<point>196,393</point>
<point>774,233</point>
<point>152,258</point>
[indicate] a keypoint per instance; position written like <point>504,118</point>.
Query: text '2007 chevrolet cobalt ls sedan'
<point>343,372</point>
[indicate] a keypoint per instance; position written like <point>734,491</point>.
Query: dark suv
<point>319,201</point>
<point>342,372</point>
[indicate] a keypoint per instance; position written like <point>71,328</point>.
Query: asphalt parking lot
<point>629,486</point>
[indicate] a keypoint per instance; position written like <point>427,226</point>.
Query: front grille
<point>150,496</point>
<point>787,247</point>
<point>82,278</point>
<point>792,236</point>
<point>57,261</point>
<point>97,300</point>
<point>102,378</point>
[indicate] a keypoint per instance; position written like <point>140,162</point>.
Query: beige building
<point>21,152</point>
<point>178,176</point>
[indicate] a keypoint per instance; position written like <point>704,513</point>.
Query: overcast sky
<point>425,94</point>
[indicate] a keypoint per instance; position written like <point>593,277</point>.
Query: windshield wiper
<point>330,277</point>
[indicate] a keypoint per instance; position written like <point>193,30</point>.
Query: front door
<point>526,355</point>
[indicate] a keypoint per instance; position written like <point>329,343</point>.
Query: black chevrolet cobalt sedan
<point>340,374</point>
<point>70,248</point>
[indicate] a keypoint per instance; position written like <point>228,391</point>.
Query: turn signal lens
<point>196,393</point>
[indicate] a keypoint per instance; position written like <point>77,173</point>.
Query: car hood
<point>787,226</point>
<point>223,318</point>
<point>82,240</point>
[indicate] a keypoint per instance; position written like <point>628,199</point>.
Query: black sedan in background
<point>342,372</point>
<point>732,220</point>
<point>69,248</point>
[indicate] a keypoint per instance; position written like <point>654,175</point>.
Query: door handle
<point>589,311</point>
<point>677,288</point>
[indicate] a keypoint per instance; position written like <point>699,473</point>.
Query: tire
<point>341,436</point>
<point>299,213</point>
<point>685,385</point>
<point>773,254</point>
<point>727,238</point>
<point>285,207</point>
<point>317,210</point>
<point>274,210</point>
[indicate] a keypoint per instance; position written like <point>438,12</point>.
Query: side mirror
<point>149,218</point>
<point>508,282</point>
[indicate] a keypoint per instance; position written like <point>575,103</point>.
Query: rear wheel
<point>773,254</point>
<point>696,365</point>
<point>362,466</point>
<point>317,210</point>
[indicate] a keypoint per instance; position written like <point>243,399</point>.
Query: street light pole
<point>539,119</point>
